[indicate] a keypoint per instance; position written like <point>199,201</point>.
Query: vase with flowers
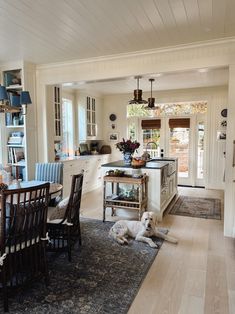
<point>127,147</point>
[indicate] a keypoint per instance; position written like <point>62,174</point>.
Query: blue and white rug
<point>209,208</point>
<point>103,277</point>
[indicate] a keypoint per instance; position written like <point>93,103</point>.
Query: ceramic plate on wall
<point>224,113</point>
<point>112,117</point>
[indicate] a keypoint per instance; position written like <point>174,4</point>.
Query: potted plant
<point>127,147</point>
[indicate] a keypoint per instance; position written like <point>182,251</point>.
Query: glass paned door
<point>179,147</point>
<point>151,140</point>
<point>187,144</point>
<point>200,151</point>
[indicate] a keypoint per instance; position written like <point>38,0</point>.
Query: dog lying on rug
<point>139,230</point>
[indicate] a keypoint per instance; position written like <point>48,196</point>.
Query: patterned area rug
<point>209,208</point>
<point>103,277</point>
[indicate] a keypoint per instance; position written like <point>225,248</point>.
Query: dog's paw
<point>125,241</point>
<point>153,245</point>
<point>172,240</point>
<point>119,241</point>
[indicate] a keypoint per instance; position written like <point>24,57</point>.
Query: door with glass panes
<point>183,138</point>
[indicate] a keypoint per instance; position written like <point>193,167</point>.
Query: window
<point>67,127</point>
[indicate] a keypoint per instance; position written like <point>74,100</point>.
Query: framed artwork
<point>113,137</point>
<point>221,135</point>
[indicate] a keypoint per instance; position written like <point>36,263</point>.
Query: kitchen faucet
<point>152,143</point>
<point>156,147</point>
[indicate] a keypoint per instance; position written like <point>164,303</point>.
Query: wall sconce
<point>18,103</point>
<point>24,101</point>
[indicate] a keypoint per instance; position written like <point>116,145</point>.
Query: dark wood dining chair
<point>64,231</point>
<point>22,237</point>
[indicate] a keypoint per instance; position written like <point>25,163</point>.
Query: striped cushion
<point>51,172</point>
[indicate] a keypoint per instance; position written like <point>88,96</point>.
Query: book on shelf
<point>15,140</point>
<point>16,155</point>
<point>12,86</point>
<point>8,119</point>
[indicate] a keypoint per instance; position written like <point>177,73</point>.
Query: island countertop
<point>120,164</point>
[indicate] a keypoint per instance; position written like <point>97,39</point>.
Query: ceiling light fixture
<point>16,103</point>
<point>151,100</point>
<point>138,94</point>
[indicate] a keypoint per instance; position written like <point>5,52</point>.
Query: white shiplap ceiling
<point>48,31</point>
<point>44,31</point>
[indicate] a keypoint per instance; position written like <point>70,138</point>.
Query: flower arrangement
<point>127,146</point>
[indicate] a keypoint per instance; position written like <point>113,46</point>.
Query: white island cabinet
<point>162,182</point>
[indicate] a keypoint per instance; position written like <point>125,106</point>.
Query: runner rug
<point>209,208</point>
<point>103,277</point>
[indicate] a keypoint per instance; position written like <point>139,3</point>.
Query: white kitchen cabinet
<point>91,165</point>
<point>53,93</point>
<point>89,118</point>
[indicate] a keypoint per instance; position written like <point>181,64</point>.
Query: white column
<point>229,204</point>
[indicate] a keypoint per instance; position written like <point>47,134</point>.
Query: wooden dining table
<point>54,189</point>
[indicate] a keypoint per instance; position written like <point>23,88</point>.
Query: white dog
<point>139,230</point>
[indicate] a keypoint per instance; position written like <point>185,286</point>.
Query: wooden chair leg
<point>79,235</point>
<point>5,294</point>
<point>69,246</point>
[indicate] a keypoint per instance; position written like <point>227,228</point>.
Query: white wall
<point>181,58</point>
<point>229,212</point>
<point>217,98</point>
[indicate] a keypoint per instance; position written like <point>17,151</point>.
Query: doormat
<point>103,277</point>
<point>208,208</point>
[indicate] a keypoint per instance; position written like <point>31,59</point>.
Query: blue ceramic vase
<point>127,158</point>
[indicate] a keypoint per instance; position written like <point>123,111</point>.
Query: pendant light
<point>151,100</point>
<point>138,94</point>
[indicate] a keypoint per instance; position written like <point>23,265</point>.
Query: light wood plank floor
<point>196,276</point>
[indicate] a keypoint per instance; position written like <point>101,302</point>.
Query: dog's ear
<point>155,219</point>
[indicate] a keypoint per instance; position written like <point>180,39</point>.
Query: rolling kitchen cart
<point>125,192</point>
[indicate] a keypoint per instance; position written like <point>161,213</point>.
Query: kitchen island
<point>162,182</point>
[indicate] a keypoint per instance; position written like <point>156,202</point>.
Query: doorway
<point>181,137</point>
